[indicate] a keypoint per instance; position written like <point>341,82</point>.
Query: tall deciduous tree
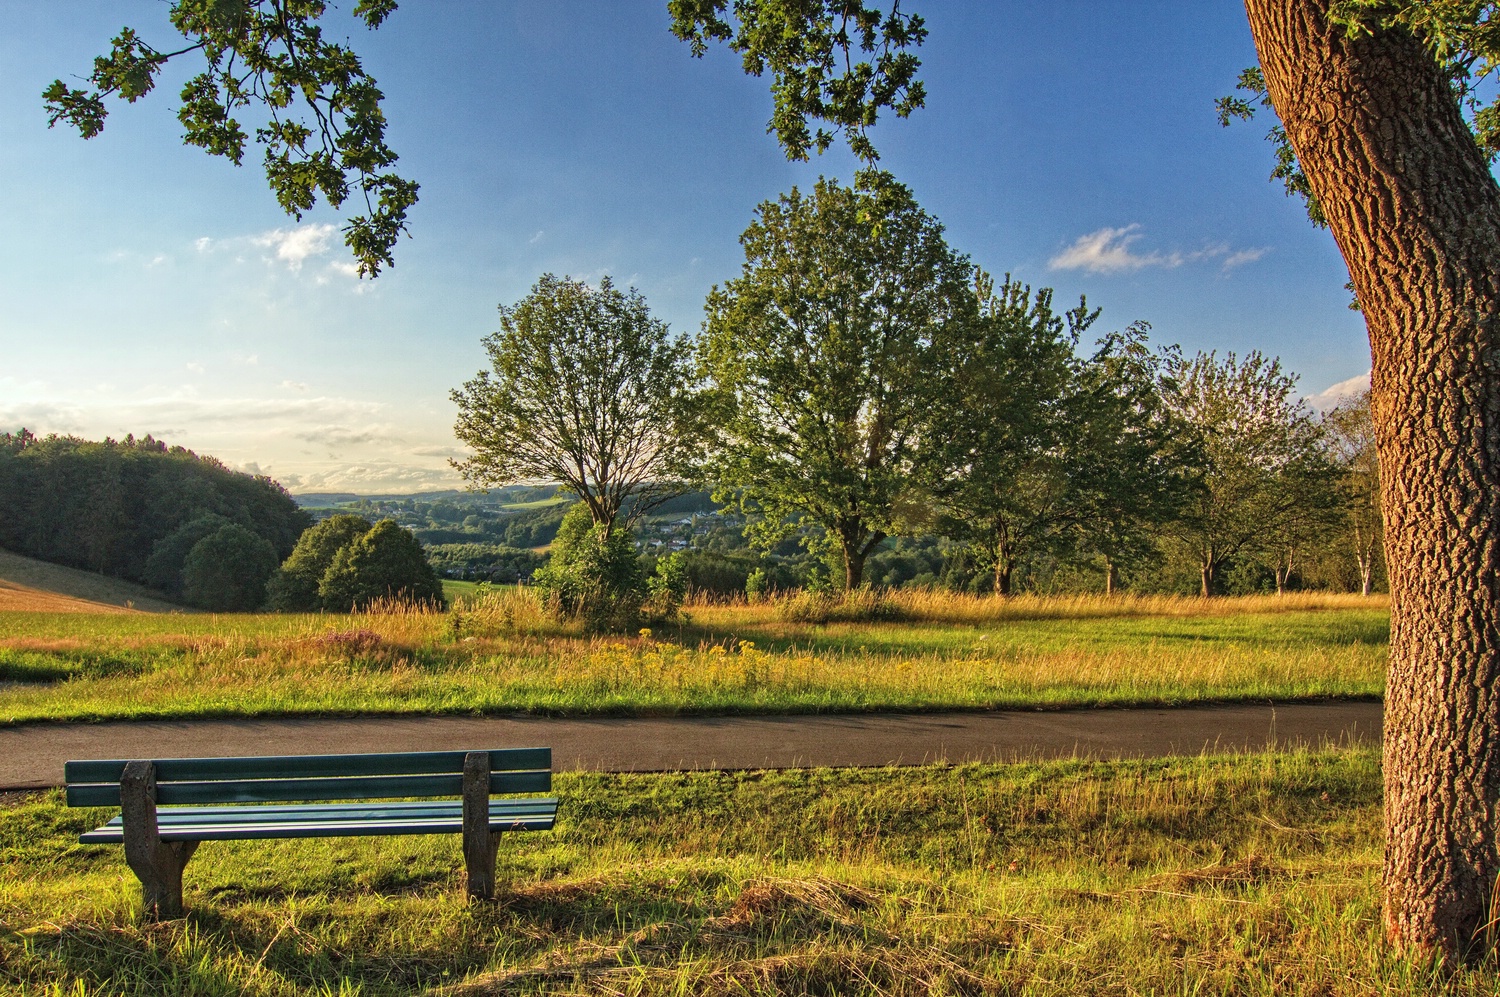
<point>1367,98</point>
<point>824,348</point>
<point>588,389</point>
<point>1263,464</point>
<point>998,438</point>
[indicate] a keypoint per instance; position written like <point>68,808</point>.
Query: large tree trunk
<point>1412,205</point>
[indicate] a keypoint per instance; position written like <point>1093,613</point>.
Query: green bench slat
<point>339,811</point>
<point>240,823</point>
<point>309,766</point>
<point>249,832</point>
<point>271,790</point>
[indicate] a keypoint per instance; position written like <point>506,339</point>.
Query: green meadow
<point>501,654</point>
<point>1254,874</point>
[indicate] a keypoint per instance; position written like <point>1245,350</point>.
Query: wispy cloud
<point>1334,394</point>
<point>295,245</point>
<point>1243,256</point>
<point>339,437</point>
<point>1113,250</point>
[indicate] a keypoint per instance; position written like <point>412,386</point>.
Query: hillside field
<point>501,654</point>
<point>29,585</point>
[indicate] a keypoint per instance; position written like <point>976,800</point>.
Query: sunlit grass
<point>503,654</point>
<point>1225,875</point>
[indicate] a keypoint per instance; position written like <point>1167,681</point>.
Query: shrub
<point>666,588</point>
<point>593,576</point>
<point>228,570</point>
<point>385,562</point>
<point>757,586</point>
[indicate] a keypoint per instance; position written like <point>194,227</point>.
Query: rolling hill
<point>29,585</point>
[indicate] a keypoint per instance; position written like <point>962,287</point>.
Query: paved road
<point>32,755</point>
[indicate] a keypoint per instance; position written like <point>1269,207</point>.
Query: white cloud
<point>203,244</point>
<point>342,436</point>
<point>1111,250</point>
<point>536,238</point>
<point>1107,251</point>
<point>196,368</point>
<point>1243,256</point>
<point>1334,394</point>
<point>295,245</point>
<point>294,385</point>
<point>246,360</point>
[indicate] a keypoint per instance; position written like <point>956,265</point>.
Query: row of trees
<point>861,380</point>
<point>137,509</point>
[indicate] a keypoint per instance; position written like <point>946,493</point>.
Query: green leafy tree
<point>837,62</point>
<point>266,57</point>
<point>823,351</point>
<point>294,586</point>
<point>586,389</point>
<point>1130,468</point>
<point>1264,469</point>
<point>227,570</point>
<point>594,574</point>
<point>163,569</point>
<point>1000,423</point>
<point>384,562</point>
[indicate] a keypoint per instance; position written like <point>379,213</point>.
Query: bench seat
<point>330,820</point>
<point>168,806</point>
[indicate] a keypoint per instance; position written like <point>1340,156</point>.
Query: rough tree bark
<point>1410,201</point>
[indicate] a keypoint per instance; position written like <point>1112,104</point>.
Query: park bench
<point>168,806</point>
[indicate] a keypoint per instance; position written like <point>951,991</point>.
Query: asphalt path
<point>32,755</point>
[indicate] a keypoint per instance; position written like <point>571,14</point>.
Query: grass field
<point>504,656</point>
<point>29,585</point>
<point>1222,875</point>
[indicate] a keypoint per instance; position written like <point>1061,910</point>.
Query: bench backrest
<point>268,779</point>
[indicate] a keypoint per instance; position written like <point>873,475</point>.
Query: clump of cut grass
<point>1228,874</point>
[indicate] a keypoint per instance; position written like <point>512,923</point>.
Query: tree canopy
<point>585,388</point>
<point>824,351</point>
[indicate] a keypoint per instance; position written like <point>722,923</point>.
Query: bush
<point>386,562</point>
<point>294,586</point>
<point>666,588</point>
<point>593,577</point>
<point>227,570</point>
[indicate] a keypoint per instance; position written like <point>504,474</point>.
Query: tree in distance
<point>384,563</point>
<point>585,388</point>
<point>823,352</point>
<point>228,569</point>
<point>1264,471</point>
<point>1351,441</point>
<point>1035,449</point>
<point>294,586</point>
<point>163,569</point>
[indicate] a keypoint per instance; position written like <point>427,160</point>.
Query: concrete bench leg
<point>157,864</point>
<point>480,843</point>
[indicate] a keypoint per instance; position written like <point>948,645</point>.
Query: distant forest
<point>135,508</point>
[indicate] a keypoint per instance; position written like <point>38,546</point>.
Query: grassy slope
<point>499,659</point>
<point>1246,875</point>
<point>29,585</point>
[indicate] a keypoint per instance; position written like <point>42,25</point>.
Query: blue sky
<point>146,287</point>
